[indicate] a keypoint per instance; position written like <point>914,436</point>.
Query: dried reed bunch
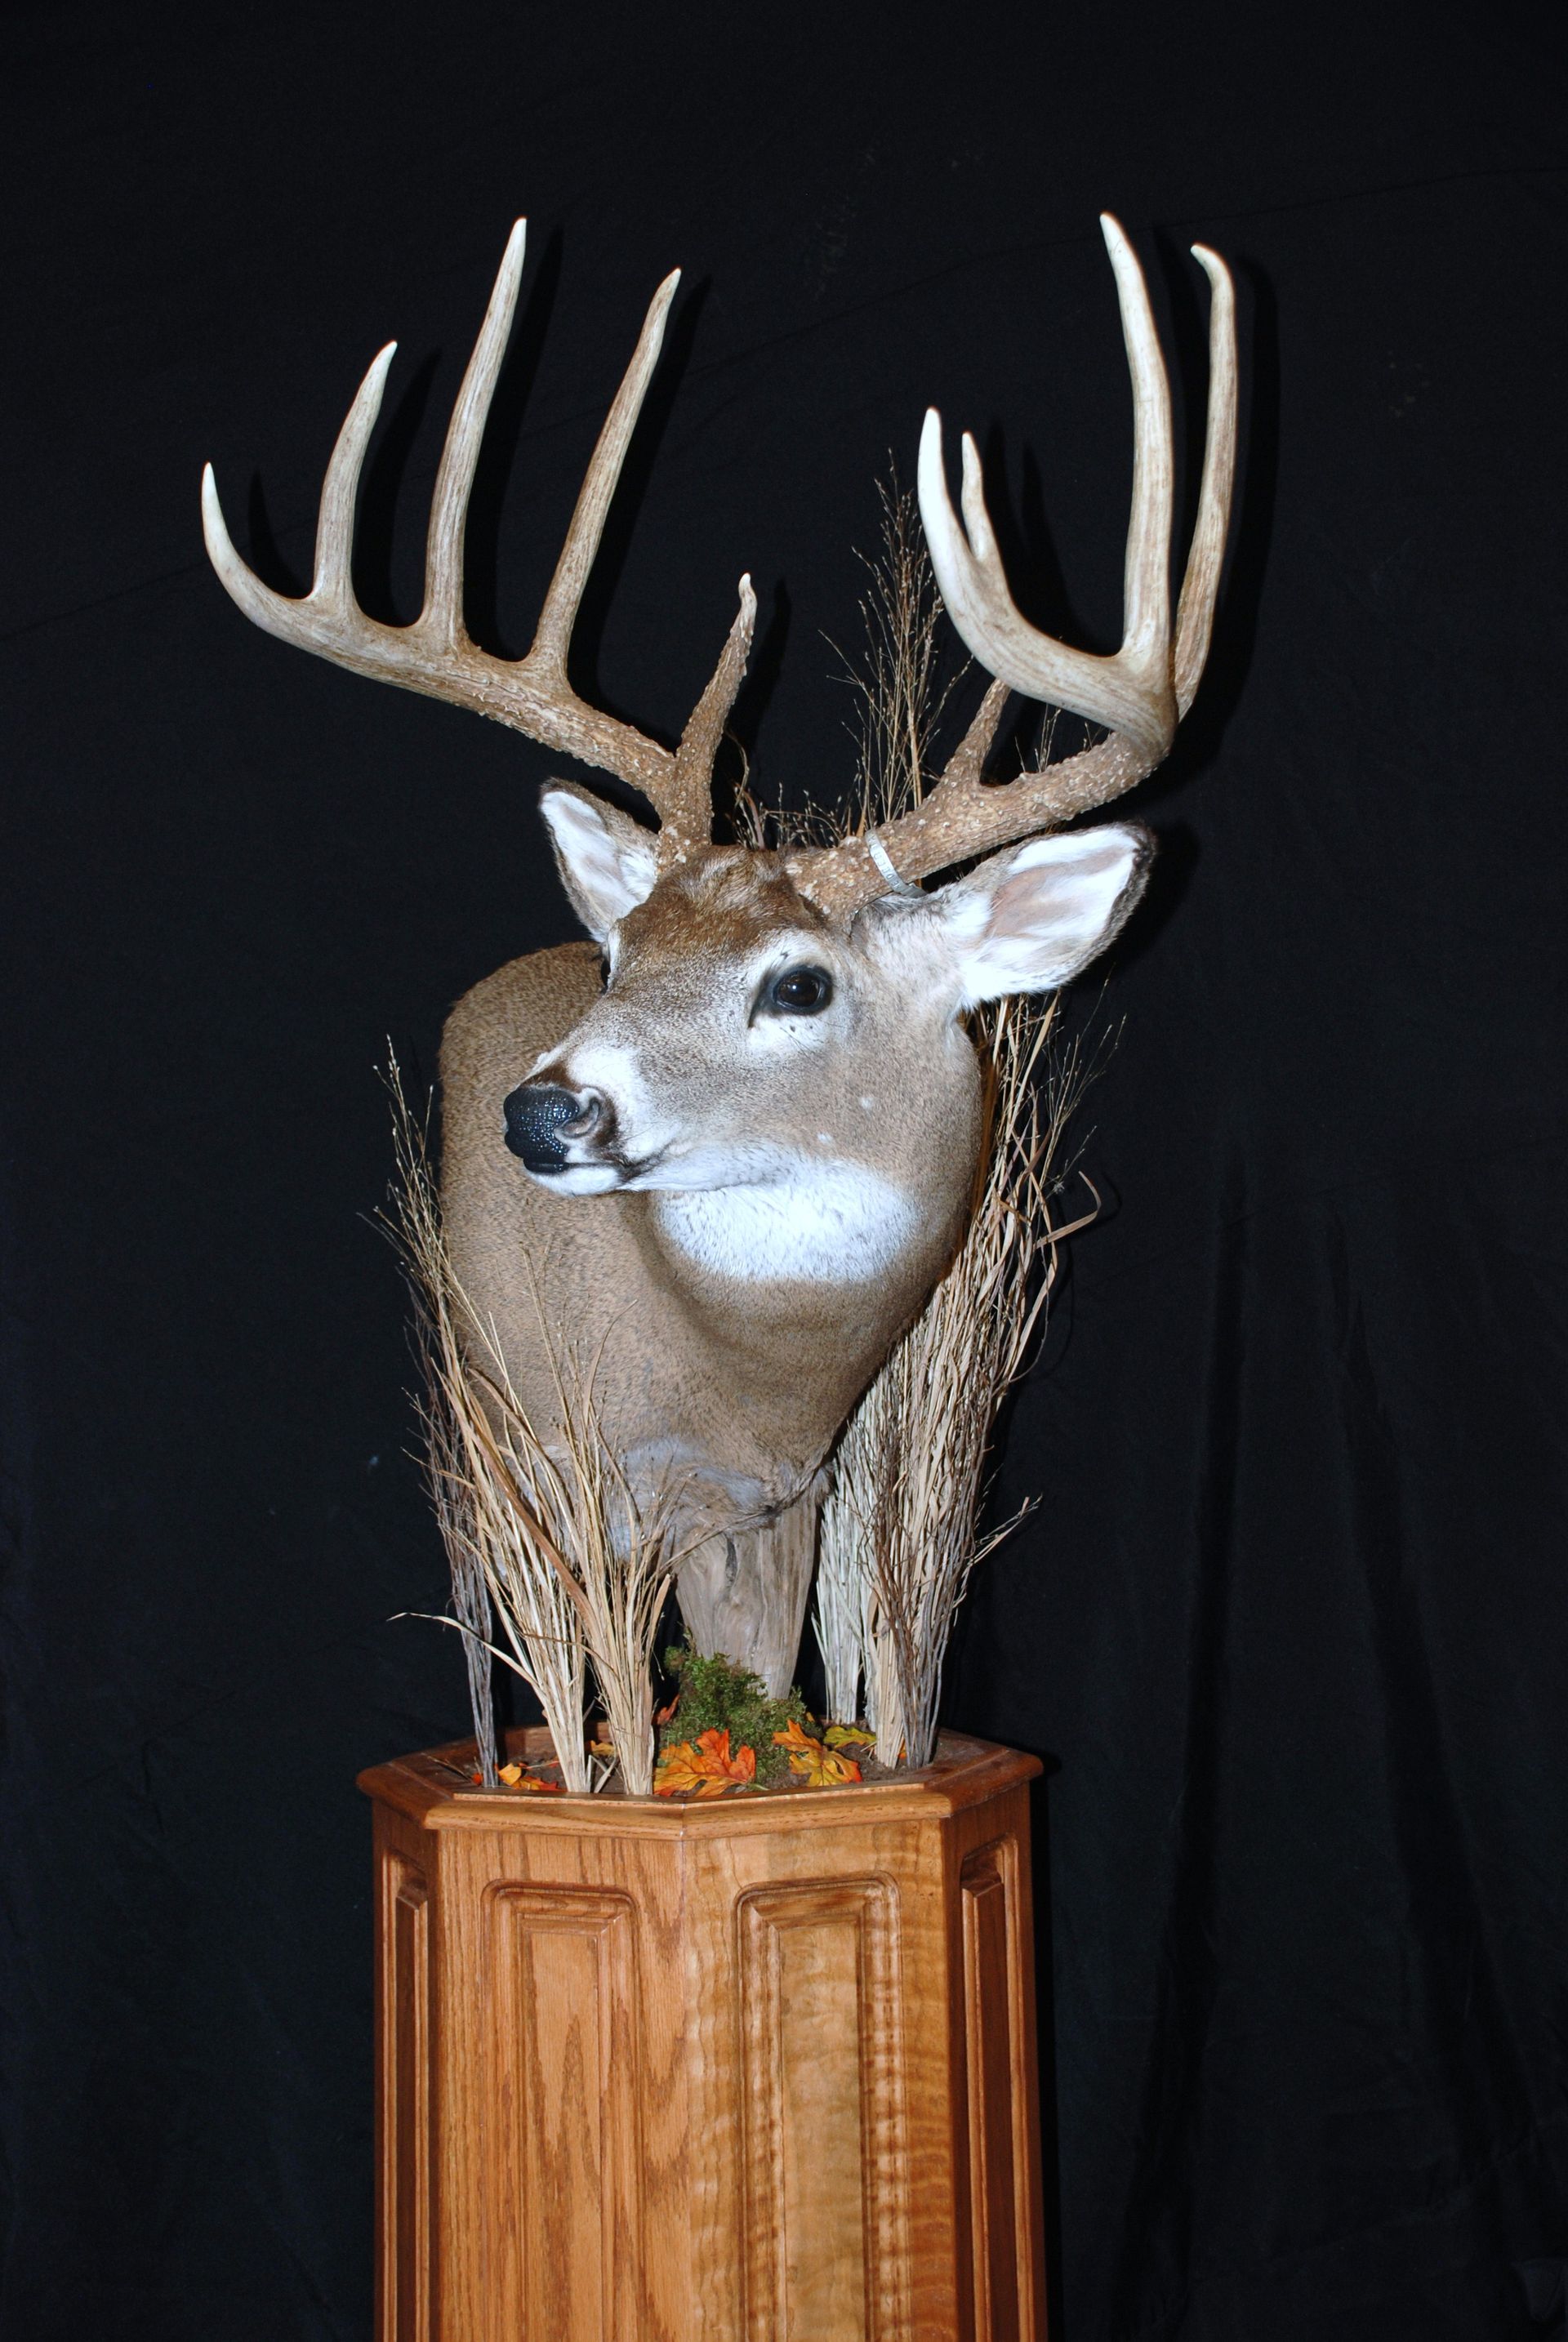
<point>898,1530</point>
<point>551,1545</point>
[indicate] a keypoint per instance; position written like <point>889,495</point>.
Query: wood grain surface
<point>758,2069</point>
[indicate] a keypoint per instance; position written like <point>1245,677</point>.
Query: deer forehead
<point>723,906</point>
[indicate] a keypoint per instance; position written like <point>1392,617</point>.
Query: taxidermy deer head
<point>725,1151</point>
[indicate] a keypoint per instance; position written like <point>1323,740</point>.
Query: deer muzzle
<point>552,1129</point>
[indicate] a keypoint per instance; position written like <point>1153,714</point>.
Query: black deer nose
<point>540,1115</point>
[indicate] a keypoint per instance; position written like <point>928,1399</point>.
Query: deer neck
<point>798,1286</point>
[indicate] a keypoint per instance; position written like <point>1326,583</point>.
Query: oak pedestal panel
<point>758,2069</point>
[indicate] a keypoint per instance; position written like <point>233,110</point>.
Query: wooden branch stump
<point>755,2070</point>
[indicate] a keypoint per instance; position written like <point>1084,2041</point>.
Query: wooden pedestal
<point>755,2070</point>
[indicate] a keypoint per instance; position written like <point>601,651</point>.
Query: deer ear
<point>607,861</point>
<point>1030,917</point>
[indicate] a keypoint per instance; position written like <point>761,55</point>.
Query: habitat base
<point>759,2069</point>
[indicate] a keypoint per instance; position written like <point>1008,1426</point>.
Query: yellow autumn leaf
<point>848,1736</point>
<point>819,1768</point>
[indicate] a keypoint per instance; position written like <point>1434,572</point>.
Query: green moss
<point>715,1696</point>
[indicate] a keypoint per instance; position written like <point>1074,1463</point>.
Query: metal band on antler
<point>435,654</point>
<point>1139,695</point>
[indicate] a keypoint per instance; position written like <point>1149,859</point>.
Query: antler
<point>1140,695</point>
<point>436,654</point>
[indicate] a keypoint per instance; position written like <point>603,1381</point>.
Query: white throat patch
<point>825,1223</point>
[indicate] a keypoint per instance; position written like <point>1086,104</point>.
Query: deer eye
<point>801,991</point>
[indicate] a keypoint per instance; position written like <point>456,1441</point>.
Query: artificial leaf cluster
<point>713,1695</point>
<point>820,1768</point>
<point>722,1731</point>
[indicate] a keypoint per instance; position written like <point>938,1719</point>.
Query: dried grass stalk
<point>898,688</point>
<point>455,1515</point>
<point>840,1618</point>
<point>900,695</point>
<point>551,1551</point>
<point>616,1564</point>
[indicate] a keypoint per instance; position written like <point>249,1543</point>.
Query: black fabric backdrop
<point>1289,1622</point>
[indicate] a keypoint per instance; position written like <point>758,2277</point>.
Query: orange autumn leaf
<point>705,1768</point>
<point>820,1767</point>
<point>795,1738</point>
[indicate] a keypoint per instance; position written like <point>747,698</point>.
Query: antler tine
<point>332,584</point>
<point>441,619</point>
<point>1205,556</point>
<point>686,810</point>
<point>1139,695</point>
<point>1129,693</point>
<point>966,766</point>
<point>559,614</point>
<point>435,654</point>
<point>324,616</point>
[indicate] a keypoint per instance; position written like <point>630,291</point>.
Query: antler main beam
<point>435,654</point>
<point>1140,694</point>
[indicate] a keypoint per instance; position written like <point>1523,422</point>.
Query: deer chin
<point>579,1178</point>
<point>833,1223</point>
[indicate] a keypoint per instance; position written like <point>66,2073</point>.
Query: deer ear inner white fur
<point>1030,917</point>
<point>608,862</point>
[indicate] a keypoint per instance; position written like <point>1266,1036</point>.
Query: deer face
<point>745,1041</point>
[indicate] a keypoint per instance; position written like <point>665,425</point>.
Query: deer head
<point>783,1027</point>
<point>770,1089</point>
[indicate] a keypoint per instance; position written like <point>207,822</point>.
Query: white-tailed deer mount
<point>722,1152</point>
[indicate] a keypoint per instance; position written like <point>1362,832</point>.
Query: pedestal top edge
<point>430,1787</point>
